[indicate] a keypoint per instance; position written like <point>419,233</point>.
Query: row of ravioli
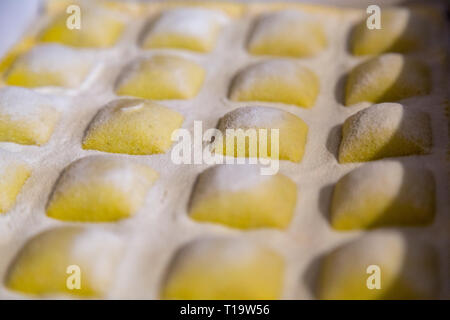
<point>385,78</point>
<point>225,267</point>
<point>197,28</point>
<point>379,194</point>
<point>142,127</point>
<point>391,76</point>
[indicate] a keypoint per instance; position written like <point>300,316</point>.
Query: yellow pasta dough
<point>162,77</point>
<point>291,132</point>
<point>287,33</point>
<point>193,29</point>
<point>132,126</point>
<point>93,189</point>
<point>224,269</point>
<point>26,117</point>
<point>282,81</point>
<point>50,65</point>
<point>383,194</point>
<point>382,265</point>
<point>13,174</point>
<point>66,261</point>
<point>386,78</point>
<point>239,196</point>
<point>402,30</point>
<point>90,34</point>
<point>385,130</point>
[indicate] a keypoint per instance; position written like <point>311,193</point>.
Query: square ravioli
<point>387,78</point>
<point>13,175</point>
<point>193,29</point>
<point>161,77</point>
<point>383,194</point>
<point>223,269</point>
<point>50,65</point>
<point>408,269</point>
<point>132,126</point>
<point>385,130</point>
<point>287,144</point>
<point>240,197</point>
<point>47,262</point>
<point>26,117</point>
<point>287,33</point>
<point>98,29</point>
<point>93,189</point>
<point>283,81</point>
<point>403,30</point>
